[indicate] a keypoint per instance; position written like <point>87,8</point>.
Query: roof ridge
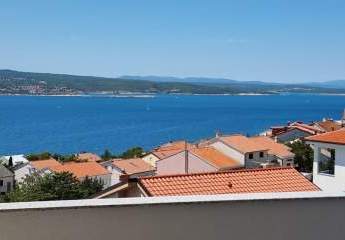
<point>218,172</point>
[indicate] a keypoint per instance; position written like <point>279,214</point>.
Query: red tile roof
<point>236,181</point>
<point>170,149</point>
<point>242,143</point>
<point>335,137</point>
<point>329,125</point>
<point>215,157</point>
<point>88,157</point>
<point>82,169</point>
<point>132,166</point>
<point>48,163</point>
<point>305,127</point>
<point>277,149</point>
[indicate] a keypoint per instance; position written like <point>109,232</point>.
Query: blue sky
<point>276,41</point>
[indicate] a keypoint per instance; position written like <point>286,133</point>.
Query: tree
<point>107,155</point>
<point>38,156</point>
<point>133,153</point>
<point>53,186</point>
<point>64,158</point>
<point>89,187</point>
<point>10,162</point>
<point>304,155</point>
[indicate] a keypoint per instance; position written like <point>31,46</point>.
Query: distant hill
<point>194,80</point>
<point>183,80</point>
<point>329,84</point>
<point>16,82</point>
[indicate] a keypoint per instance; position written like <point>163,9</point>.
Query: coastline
<point>153,95</point>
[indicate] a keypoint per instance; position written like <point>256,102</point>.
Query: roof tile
<point>236,181</point>
<point>335,137</point>
<point>133,165</point>
<point>82,169</point>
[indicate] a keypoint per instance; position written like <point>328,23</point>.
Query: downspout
<point>186,157</point>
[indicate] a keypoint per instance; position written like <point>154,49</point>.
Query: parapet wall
<point>260,216</point>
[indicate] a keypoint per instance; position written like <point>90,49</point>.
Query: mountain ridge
<point>17,82</point>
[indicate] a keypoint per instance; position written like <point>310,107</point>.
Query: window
<point>250,156</point>
<point>261,154</point>
<point>288,164</point>
<point>327,161</point>
<point>1,183</point>
<point>8,186</point>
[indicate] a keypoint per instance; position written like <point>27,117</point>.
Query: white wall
<point>171,165</point>
<point>256,161</point>
<point>197,165</point>
<point>239,156</point>
<point>115,174</point>
<point>151,159</point>
<point>21,173</point>
<point>327,182</point>
<point>176,164</point>
<point>283,219</point>
<point>227,150</point>
<point>6,180</point>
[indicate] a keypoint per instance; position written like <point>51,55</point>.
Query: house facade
<point>21,171</point>
<point>253,152</point>
<point>329,160</point>
<point>278,153</point>
<point>151,159</point>
<point>241,148</point>
<point>6,180</point>
<point>195,160</point>
<point>166,150</point>
<point>292,131</point>
<point>123,169</point>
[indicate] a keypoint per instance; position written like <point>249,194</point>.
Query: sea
<point>32,124</point>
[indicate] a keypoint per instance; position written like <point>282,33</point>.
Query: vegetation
<point>130,153</point>
<point>304,155</point>
<point>65,158</point>
<point>107,155</point>
<point>19,83</point>
<point>54,186</point>
<point>38,156</point>
<point>47,155</point>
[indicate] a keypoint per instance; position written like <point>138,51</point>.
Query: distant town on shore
<point>30,83</point>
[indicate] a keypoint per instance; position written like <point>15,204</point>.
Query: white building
<point>21,171</point>
<point>329,160</point>
<point>127,168</point>
<point>16,159</point>
<point>6,180</point>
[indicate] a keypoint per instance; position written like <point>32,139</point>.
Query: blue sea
<point>31,124</point>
